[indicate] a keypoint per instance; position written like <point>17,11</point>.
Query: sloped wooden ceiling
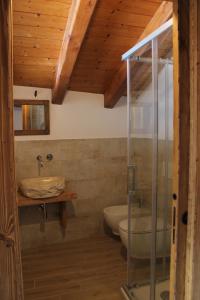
<point>115,27</point>
<point>38,32</point>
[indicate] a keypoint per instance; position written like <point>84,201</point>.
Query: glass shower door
<point>150,140</point>
<point>140,168</point>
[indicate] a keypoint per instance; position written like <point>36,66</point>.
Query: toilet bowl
<point>141,237</point>
<point>113,215</point>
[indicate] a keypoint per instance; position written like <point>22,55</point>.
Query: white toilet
<point>113,215</point>
<point>140,240</point>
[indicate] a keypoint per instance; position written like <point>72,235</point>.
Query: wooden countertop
<point>25,201</point>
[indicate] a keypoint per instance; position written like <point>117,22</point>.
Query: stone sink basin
<point>42,187</point>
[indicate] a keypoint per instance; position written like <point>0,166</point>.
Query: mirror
<point>31,117</point>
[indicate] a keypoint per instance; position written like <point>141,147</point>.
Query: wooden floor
<point>79,270</point>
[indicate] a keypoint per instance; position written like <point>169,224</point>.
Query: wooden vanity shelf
<point>23,201</point>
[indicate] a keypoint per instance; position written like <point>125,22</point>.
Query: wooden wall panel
<point>193,239</point>
<point>186,259</point>
<point>181,146</point>
<point>11,287</point>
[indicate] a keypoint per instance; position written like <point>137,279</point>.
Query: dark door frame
<point>11,283</point>
<point>185,267</point>
<point>181,146</point>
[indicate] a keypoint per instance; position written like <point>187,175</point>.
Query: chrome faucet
<point>40,160</point>
<point>40,163</point>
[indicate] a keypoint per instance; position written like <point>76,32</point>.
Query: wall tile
<point>95,169</point>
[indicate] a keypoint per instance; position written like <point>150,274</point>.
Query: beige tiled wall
<point>95,169</point>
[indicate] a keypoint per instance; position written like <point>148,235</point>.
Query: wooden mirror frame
<point>45,131</point>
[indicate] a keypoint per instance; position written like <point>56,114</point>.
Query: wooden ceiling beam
<point>117,86</point>
<point>78,20</point>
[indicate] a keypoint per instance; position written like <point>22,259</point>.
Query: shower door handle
<point>131,179</point>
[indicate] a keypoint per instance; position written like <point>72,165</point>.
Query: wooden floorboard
<point>86,269</point>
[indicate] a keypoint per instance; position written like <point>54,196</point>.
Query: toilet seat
<point>141,237</point>
<point>113,215</point>
<point>141,225</point>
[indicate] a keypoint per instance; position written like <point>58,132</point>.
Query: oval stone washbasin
<point>42,187</point>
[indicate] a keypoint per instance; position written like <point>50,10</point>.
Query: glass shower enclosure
<point>150,142</point>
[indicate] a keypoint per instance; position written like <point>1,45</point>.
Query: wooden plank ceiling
<point>38,32</point>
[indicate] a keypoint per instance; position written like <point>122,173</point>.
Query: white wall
<point>81,116</point>
<point>142,111</point>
